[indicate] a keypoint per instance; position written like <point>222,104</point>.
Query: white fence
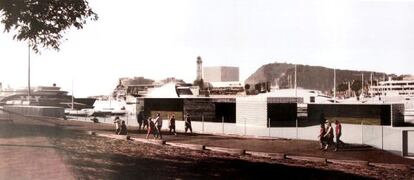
<point>381,137</point>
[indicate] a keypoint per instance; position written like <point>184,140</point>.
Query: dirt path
<point>26,151</point>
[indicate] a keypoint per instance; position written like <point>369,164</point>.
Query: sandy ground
<point>91,157</point>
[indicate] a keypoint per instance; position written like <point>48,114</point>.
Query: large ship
<point>44,96</point>
<point>393,90</point>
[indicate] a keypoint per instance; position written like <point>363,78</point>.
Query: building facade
<point>221,74</point>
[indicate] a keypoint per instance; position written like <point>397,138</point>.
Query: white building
<point>220,74</point>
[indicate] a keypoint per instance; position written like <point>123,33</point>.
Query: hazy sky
<point>162,38</point>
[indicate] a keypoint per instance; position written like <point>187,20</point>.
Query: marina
<point>247,89</point>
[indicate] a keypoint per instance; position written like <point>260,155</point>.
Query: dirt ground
<point>287,146</point>
<point>91,157</point>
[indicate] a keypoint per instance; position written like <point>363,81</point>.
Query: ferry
<point>43,96</point>
<point>395,91</point>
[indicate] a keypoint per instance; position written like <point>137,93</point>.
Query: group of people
<point>154,125</point>
<point>326,135</point>
<point>120,126</point>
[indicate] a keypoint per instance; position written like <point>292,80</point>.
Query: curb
<point>227,150</point>
<point>150,141</point>
<point>349,162</point>
<point>188,146</point>
<point>273,156</point>
<point>307,158</point>
<point>114,136</point>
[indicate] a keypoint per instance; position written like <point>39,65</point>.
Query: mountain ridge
<point>309,77</point>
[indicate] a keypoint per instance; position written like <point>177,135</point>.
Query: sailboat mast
<point>362,84</point>
<point>72,94</point>
<point>371,86</point>
<point>296,84</point>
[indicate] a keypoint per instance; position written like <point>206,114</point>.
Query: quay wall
<point>47,111</point>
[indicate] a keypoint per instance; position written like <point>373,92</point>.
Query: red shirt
<point>338,129</point>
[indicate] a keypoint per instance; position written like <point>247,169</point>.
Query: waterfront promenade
<point>49,148</point>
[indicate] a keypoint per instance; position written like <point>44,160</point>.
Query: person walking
<point>329,135</point>
<point>145,122</point>
<point>188,123</point>
<point>150,128</point>
<point>123,128</point>
<point>158,125</point>
<point>321,136</point>
<point>117,123</point>
<point>338,133</point>
<point>140,119</point>
<point>172,124</point>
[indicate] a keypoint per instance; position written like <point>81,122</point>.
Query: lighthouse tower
<point>199,68</point>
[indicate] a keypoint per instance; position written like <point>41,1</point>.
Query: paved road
<point>27,151</point>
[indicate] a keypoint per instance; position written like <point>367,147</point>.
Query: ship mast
<point>72,94</point>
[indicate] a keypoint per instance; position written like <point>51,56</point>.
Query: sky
<point>162,38</point>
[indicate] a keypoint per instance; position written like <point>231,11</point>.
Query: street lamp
<point>28,74</point>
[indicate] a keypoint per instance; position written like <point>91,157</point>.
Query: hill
<point>308,77</point>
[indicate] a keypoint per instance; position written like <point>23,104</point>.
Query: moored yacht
<point>43,96</point>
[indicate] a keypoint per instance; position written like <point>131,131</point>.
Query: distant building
<point>221,74</point>
<point>225,88</point>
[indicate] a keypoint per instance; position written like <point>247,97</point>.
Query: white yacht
<point>393,89</point>
<point>43,96</point>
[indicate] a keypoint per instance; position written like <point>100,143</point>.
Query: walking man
<point>321,136</point>
<point>172,124</point>
<point>140,119</point>
<point>188,123</point>
<point>338,133</point>
<point>329,135</point>
<point>158,124</point>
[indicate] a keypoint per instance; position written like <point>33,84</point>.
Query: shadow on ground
<point>100,158</point>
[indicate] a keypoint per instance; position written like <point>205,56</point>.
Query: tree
<point>43,22</point>
<point>356,86</point>
<point>342,87</point>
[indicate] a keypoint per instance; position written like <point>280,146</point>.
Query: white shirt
<point>158,121</point>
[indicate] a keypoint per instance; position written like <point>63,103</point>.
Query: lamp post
<point>28,74</point>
